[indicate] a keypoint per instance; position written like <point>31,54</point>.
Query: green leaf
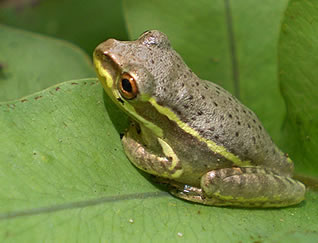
<point>30,62</point>
<point>64,178</point>
<point>298,73</point>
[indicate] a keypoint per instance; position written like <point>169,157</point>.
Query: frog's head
<point>137,74</point>
<point>134,68</point>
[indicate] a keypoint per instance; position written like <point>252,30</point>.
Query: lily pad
<point>64,177</point>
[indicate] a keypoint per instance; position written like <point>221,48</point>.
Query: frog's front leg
<point>244,187</point>
<point>168,165</point>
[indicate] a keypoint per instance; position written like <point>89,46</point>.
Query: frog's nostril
<point>98,53</point>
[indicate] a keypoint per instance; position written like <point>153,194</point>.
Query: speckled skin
<point>205,107</point>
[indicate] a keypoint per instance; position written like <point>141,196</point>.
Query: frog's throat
<point>211,145</point>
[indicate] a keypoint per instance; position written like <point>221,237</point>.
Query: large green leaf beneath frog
<point>298,62</point>
<point>232,43</point>
<point>30,62</point>
<point>64,178</point>
<point>84,23</point>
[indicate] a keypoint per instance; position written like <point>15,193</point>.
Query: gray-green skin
<point>206,176</point>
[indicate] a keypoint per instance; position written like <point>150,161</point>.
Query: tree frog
<point>190,133</point>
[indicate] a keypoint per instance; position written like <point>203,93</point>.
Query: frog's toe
<point>188,193</point>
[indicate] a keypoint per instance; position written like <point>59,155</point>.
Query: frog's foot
<point>243,187</point>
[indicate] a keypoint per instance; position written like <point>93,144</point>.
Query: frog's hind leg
<point>251,187</point>
<point>243,187</point>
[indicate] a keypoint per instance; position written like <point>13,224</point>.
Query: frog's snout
<point>105,47</point>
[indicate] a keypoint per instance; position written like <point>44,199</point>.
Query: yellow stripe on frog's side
<point>212,145</point>
<point>108,84</point>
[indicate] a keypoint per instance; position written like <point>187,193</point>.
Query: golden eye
<point>127,86</point>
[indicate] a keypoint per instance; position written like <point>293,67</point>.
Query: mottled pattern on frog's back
<point>218,116</point>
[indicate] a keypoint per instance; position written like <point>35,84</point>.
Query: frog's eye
<point>127,86</point>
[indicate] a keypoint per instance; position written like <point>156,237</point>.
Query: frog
<point>191,134</point>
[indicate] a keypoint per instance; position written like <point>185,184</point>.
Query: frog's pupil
<point>126,85</point>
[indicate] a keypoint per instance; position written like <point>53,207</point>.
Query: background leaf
<point>298,61</point>
<point>31,62</point>
<point>85,23</point>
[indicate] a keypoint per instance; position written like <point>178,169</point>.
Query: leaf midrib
<point>81,204</point>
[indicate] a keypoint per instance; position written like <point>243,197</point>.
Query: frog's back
<point>219,117</point>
